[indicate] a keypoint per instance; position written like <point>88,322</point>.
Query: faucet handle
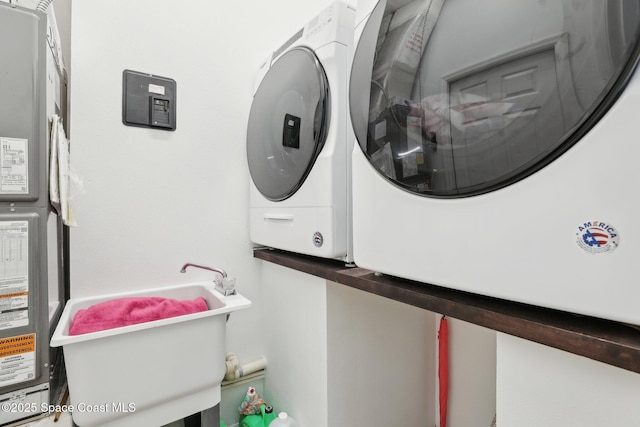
<point>226,286</point>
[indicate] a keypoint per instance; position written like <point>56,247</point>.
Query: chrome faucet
<point>224,284</point>
<point>204,267</point>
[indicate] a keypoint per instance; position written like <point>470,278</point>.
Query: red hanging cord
<point>443,369</point>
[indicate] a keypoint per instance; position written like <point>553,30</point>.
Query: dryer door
<point>456,98</point>
<point>288,123</point>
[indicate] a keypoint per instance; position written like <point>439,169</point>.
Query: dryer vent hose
<point>43,5</point>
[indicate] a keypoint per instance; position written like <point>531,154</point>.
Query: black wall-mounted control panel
<point>148,100</point>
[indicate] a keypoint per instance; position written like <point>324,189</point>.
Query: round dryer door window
<point>461,97</point>
<point>288,123</point>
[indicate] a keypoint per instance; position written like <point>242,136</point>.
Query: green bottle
<point>267,414</point>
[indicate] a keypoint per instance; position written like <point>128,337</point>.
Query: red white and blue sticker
<point>597,237</point>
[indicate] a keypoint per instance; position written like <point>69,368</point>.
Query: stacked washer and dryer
<point>299,141</point>
<point>495,147</point>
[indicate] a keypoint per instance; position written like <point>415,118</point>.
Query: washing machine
<point>299,140</point>
<point>497,149</point>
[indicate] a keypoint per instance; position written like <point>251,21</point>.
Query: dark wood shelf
<point>609,342</point>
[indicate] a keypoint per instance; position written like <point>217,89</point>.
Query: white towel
<point>60,173</point>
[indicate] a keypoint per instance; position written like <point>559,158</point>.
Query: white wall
<point>295,334</point>
<point>472,375</point>
<point>539,386</point>
<point>338,356</point>
<point>155,199</point>
<point>381,360</point>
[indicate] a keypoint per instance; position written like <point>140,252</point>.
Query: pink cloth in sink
<point>130,311</point>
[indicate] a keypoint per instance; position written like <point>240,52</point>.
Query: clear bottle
<point>283,420</point>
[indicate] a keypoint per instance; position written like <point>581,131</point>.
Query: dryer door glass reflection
<point>465,97</point>
<point>287,124</point>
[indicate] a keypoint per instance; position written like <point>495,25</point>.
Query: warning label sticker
<point>14,319</point>
<point>14,174</point>
<point>17,359</point>
<point>14,274</point>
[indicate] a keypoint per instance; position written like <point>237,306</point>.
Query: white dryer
<point>299,141</point>
<point>497,149</point>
